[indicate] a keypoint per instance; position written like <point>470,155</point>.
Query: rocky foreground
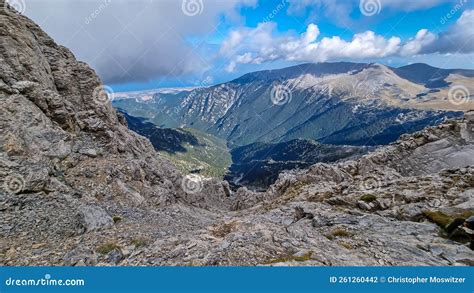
<point>79,188</point>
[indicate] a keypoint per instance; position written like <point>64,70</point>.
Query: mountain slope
<point>258,165</point>
<point>189,150</point>
<point>429,76</point>
<point>67,164</point>
<point>163,139</point>
<point>336,103</point>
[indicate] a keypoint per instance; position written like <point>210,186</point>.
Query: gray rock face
<point>65,157</point>
<point>78,188</point>
<point>53,117</point>
<point>94,218</point>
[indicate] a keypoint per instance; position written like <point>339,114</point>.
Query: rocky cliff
<point>78,188</point>
<point>67,163</point>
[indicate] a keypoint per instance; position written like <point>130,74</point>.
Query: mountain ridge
<point>257,166</point>
<point>242,111</point>
<point>317,69</point>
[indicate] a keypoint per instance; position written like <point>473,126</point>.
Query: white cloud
<point>133,40</point>
<point>459,38</point>
<point>242,59</point>
<point>262,44</point>
<point>422,39</point>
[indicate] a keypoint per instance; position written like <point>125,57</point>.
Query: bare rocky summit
<point>79,188</point>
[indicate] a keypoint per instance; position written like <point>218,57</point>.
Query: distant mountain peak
<point>331,102</point>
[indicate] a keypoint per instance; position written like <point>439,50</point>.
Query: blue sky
<point>148,44</point>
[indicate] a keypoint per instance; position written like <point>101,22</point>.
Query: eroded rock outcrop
<point>67,164</point>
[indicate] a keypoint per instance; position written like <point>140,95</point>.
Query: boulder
<point>92,218</point>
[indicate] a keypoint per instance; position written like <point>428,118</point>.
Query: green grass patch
<point>368,198</point>
<point>441,219</point>
<point>107,247</point>
<point>339,232</point>
<point>139,242</point>
<point>345,245</point>
<point>223,229</point>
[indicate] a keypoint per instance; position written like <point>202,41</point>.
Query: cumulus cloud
<point>414,45</point>
<point>459,38</point>
<point>133,40</point>
<point>261,44</point>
